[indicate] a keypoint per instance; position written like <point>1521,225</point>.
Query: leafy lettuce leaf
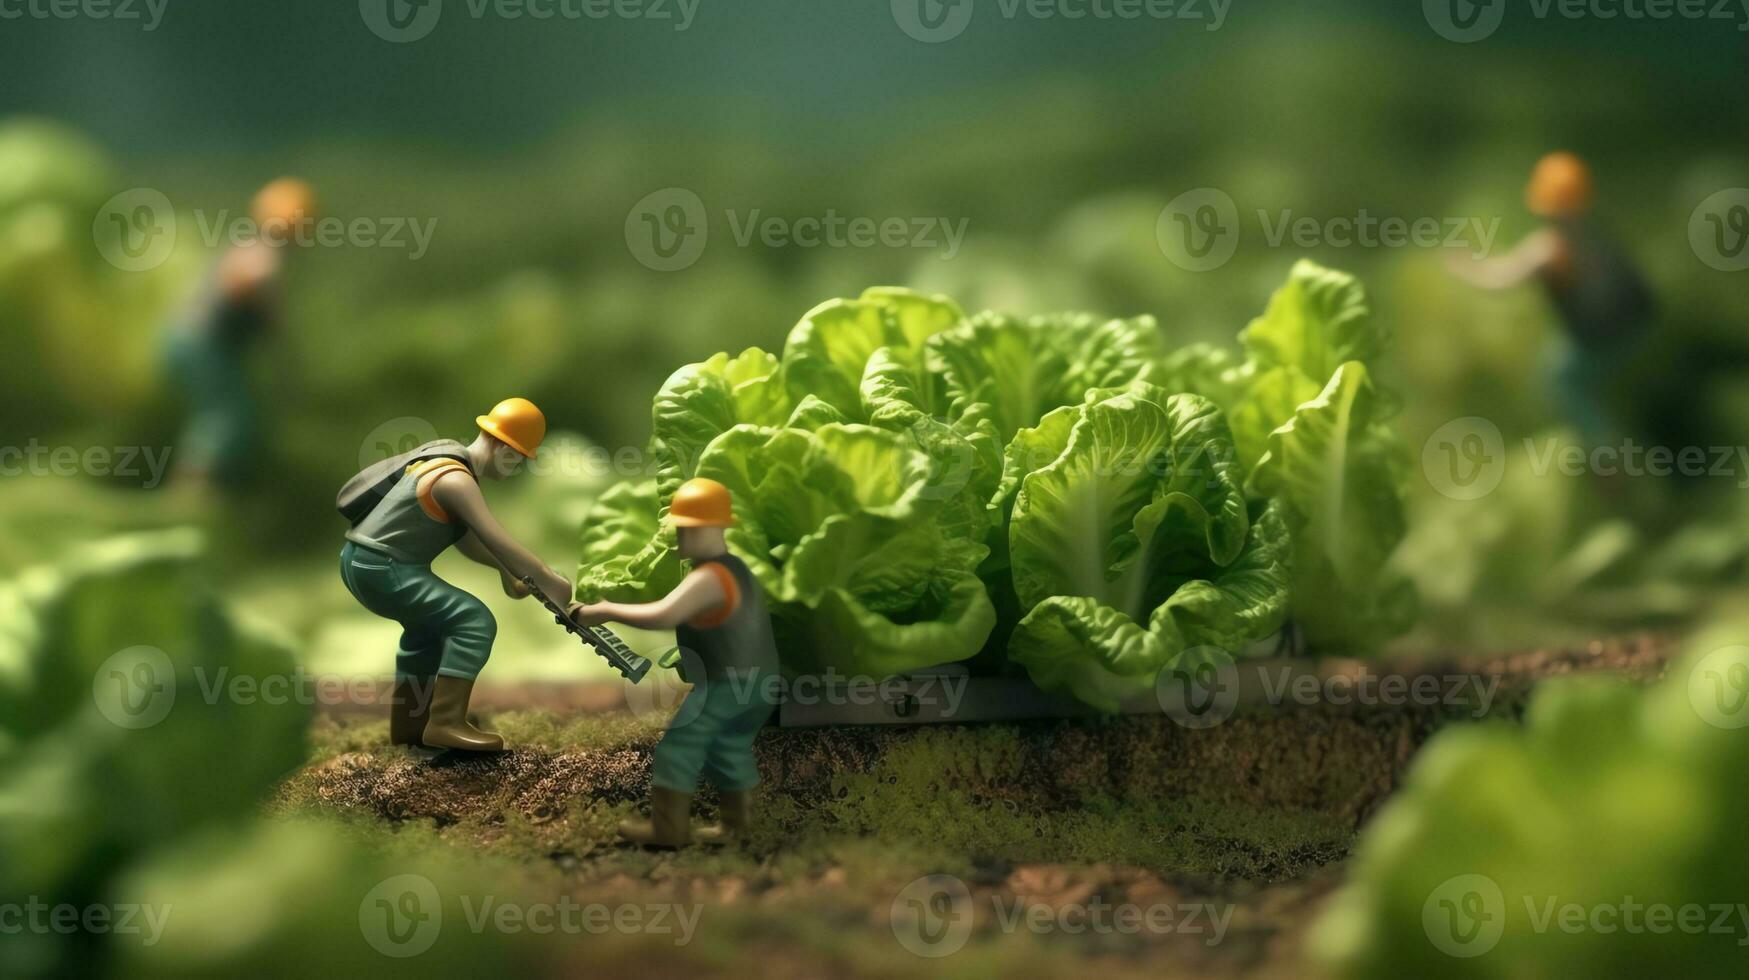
<point>1338,473</point>
<point>628,556</point>
<point>868,571</point>
<point>912,481</point>
<point>1499,826</point>
<point>1135,544</point>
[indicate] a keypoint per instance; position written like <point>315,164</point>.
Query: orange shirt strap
<point>427,473</point>
<point>731,600</point>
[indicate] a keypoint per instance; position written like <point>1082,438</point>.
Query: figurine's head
<point>701,510</point>
<point>512,432</point>
<point>1560,187</point>
<point>281,207</point>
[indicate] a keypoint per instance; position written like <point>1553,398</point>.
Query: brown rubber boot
<point>448,728</point>
<point>669,823</point>
<point>737,810</point>
<point>407,710</point>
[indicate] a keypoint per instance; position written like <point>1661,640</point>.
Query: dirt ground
<point>1231,836</point>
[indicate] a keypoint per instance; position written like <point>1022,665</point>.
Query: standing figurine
<point>406,512</point>
<point>717,613</point>
<point>1599,295</point>
<point>207,349</point>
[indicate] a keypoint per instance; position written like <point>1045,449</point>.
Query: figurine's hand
<point>587,614</point>
<point>513,586</point>
<point>557,588</point>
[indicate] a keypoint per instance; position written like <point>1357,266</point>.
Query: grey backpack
<point>363,492</point>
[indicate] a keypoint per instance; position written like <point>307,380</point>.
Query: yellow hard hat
<point>1560,185</point>
<point>516,423</point>
<point>287,200</point>
<point>701,503</point>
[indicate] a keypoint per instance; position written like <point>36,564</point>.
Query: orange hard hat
<point>701,503</point>
<point>1560,185</point>
<point>516,423</point>
<point>287,199</point>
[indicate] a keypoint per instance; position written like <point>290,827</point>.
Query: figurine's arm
<point>243,271</point>
<point>699,593</point>
<point>471,547</point>
<point>459,496</point>
<point>1540,250</point>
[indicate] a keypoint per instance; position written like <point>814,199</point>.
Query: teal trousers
<point>222,433</point>
<point>443,629</point>
<point>714,739</point>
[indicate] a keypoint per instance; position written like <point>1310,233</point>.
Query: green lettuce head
<point>1059,493</point>
<point>1132,543</point>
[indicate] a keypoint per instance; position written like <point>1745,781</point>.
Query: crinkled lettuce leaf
<point>868,571</point>
<point>1022,369</point>
<point>1135,544</point>
<point>628,556</point>
<point>912,481</point>
<point>828,352</point>
<point>701,401</point>
<point>1338,472</point>
<point>1509,821</point>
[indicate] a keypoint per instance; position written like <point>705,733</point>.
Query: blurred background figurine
<point>1599,295</point>
<point>718,614</point>
<point>429,500</point>
<point>207,348</point>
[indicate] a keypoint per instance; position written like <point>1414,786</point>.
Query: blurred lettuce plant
<point>1624,804</point>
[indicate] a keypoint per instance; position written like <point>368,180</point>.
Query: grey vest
<point>401,529</point>
<point>1599,294</point>
<point>743,642</point>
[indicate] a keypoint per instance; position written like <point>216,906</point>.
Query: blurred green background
<point>1057,141</point>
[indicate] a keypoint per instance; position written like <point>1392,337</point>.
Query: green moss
<point>900,802</point>
<point>1185,836</point>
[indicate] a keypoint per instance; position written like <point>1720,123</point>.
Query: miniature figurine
<point>1600,297</point>
<point>718,613</point>
<point>206,350</point>
<point>408,510</point>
